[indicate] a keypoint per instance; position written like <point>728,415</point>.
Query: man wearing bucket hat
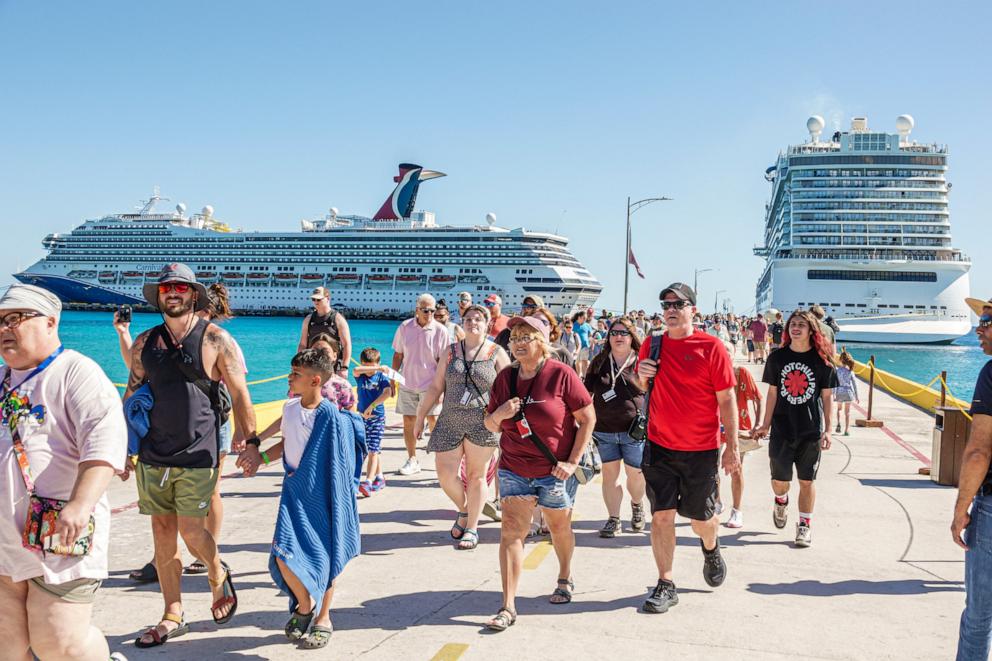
<point>61,441</point>
<point>183,361</point>
<point>975,492</point>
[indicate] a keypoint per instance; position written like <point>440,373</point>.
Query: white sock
<point>806,515</point>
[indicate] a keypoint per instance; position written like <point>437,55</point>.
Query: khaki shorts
<point>180,491</point>
<point>583,354</point>
<point>80,591</point>
<point>408,401</point>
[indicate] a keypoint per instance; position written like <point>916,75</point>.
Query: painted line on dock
<point>895,437</point>
<point>537,555</point>
<point>450,652</point>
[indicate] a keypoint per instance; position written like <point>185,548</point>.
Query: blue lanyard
<point>37,370</point>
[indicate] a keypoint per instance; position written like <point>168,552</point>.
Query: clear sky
<point>548,114</point>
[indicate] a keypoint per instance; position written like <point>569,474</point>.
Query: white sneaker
<point>736,519</point>
<point>780,515</point>
<point>804,535</point>
<point>411,467</point>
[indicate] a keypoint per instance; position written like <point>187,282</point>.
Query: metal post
<point>870,421</point>
<point>626,261</point>
<point>943,387</point>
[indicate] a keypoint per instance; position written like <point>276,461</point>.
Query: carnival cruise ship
<point>373,266</point>
<point>859,224</point>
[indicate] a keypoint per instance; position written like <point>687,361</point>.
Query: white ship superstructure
<point>859,224</point>
<point>373,266</point>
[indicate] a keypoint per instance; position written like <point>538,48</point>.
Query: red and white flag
<point>633,262</point>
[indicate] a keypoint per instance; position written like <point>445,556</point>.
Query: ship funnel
<point>904,125</point>
<point>859,124</point>
<point>401,201</point>
<point>815,126</point>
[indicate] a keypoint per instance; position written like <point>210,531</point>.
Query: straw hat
<point>977,305</point>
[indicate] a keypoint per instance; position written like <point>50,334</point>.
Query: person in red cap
<point>497,320</point>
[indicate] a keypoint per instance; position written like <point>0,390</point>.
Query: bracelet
<point>265,458</point>
<point>253,441</point>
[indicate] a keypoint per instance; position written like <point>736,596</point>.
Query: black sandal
<point>230,598</point>
<point>147,574</point>
<point>458,527</point>
<point>563,593</point>
<point>298,624</point>
<point>503,620</point>
<point>162,639</point>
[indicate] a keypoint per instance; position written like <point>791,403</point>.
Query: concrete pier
<point>882,579</point>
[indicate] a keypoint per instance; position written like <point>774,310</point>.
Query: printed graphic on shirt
<point>18,407</point>
<point>798,383</point>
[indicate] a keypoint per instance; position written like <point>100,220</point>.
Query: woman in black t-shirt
<point>800,378</point>
<point>617,395</point>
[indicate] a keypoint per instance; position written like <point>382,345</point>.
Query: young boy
<point>317,525</point>
<point>373,390</point>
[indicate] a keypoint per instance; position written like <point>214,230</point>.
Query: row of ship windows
<point>866,159</point>
<point>899,217</point>
<point>873,241</point>
<point>802,228</point>
<point>799,180</point>
<point>893,206</point>
<point>873,276</point>
<point>805,194</point>
<point>892,306</point>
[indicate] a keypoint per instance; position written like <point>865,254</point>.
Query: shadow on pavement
<point>842,588</point>
<point>899,484</point>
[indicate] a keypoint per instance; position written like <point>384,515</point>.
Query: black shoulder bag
<point>639,425</point>
<point>220,396</point>
<point>584,471</point>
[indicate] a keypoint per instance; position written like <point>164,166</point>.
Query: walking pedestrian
<point>464,300</point>
<point>62,439</point>
<point>618,397</point>
<point>583,329</point>
<point>733,333</point>
<point>373,391</point>
<point>334,388</point>
<point>443,317</point>
<point>693,390</point>
<point>464,376</point>
<point>970,529</point>
<point>759,337</point>
<point>537,401</point>
<point>182,362</point>
<point>801,378</point>
<point>776,329</point>
<point>747,395</point>
<point>497,320</point>
<point>568,341</point>
<point>826,329</point>
<point>846,391</point>
<point>529,307</point>
<point>325,320</point>
<point>418,346</point>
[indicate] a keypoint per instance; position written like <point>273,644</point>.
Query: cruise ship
<point>859,224</point>
<point>374,267</point>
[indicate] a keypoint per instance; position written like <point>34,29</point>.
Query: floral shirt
<point>338,390</point>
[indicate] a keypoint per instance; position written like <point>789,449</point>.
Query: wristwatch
<point>253,441</point>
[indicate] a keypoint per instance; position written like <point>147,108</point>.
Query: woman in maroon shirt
<point>536,398</point>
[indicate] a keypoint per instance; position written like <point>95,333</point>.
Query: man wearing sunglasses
<point>693,391</point>
<point>325,320</point>
<point>417,349</point>
<point>497,320</point>
<point>182,362</point>
<point>975,492</point>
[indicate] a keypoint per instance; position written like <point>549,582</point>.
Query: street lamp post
<point>695,281</point>
<point>631,208</point>
<point>716,298</point>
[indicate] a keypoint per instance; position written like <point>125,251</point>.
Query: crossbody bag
<point>584,471</point>
<point>220,397</point>
<point>639,425</point>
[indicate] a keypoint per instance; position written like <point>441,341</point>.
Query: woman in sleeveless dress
<point>465,375</point>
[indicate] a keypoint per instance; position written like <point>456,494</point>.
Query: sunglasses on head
<point>677,305</point>
<point>178,287</point>
<point>985,321</point>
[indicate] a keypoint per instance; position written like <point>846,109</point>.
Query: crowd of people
<point>520,410</point>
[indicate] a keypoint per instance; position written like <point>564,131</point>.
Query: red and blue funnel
<point>400,203</point>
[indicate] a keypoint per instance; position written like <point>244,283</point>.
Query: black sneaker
<point>662,598</point>
<point>611,528</point>
<point>714,568</point>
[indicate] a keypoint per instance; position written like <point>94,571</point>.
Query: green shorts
<point>80,591</point>
<point>179,491</point>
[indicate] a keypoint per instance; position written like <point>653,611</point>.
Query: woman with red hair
<point>800,378</point>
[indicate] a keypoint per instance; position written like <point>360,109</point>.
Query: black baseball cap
<point>680,289</point>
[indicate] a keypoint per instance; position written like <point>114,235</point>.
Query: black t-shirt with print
<point>799,378</point>
<point>615,415</point>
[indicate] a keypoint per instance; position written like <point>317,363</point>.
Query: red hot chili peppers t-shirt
<point>683,413</point>
<point>798,379</point>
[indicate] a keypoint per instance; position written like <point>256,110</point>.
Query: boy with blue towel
<point>317,525</point>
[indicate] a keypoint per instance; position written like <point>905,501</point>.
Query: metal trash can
<point>950,435</point>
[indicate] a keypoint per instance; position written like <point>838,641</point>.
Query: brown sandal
<point>230,598</point>
<point>160,638</point>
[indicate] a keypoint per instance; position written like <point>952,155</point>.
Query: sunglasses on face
<point>985,321</point>
<point>528,306</point>
<point>15,319</point>
<point>178,287</point>
<point>523,339</point>
<point>619,333</point>
<point>674,305</point>
<point>489,304</point>
<point>427,310</point>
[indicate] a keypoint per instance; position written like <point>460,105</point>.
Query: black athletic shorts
<point>783,455</point>
<point>682,480</point>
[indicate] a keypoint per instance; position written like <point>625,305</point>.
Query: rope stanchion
<point>868,421</point>
<point>895,392</point>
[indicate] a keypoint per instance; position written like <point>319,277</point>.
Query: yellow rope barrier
<point>954,400</point>
<point>253,383</point>
<point>878,377</point>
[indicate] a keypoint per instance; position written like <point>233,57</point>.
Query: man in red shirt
<point>692,391</point>
<point>497,320</point>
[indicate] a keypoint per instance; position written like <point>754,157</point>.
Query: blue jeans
<point>976,620</point>
<point>551,493</point>
<point>619,445</point>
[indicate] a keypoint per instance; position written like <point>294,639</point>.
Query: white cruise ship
<point>859,224</point>
<point>373,266</point>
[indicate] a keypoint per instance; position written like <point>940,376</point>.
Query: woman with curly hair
<point>801,378</point>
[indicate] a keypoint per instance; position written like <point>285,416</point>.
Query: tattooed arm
<point>136,376</point>
<point>229,368</point>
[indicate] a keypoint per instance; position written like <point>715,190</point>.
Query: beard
<point>175,311</point>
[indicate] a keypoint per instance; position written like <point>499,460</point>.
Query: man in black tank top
<point>180,362</point>
<point>325,320</point>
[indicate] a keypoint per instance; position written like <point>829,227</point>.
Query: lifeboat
<point>379,280</point>
<point>257,276</point>
<point>206,276</point>
<point>108,277</point>
<point>132,275</point>
<point>232,276</point>
<point>312,277</point>
<point>443,280</point>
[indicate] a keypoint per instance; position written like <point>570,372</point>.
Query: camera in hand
<point>124,314</point>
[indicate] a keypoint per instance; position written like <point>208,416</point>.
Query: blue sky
<point>548,114</point>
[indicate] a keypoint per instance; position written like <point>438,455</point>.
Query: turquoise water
<point>268,343</point>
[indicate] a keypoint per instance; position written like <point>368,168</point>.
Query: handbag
<point>584,470</point>
<point>639,425</point>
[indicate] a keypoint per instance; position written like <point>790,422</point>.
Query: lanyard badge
<point>523,427</point>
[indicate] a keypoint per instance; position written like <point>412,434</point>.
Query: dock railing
<point>922,396</point>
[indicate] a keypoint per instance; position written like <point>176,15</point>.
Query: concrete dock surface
<point>882,579</point>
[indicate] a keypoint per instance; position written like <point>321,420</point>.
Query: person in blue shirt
<point>373,389</point>
<point>584,330</point>
<point>970,530</point>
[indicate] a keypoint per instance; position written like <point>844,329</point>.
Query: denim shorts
<point>614,446</point>
<point>552,493</point>
<point>225,438</point>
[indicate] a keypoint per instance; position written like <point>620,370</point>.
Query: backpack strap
<point>654,353</point>
<point>545,450</point>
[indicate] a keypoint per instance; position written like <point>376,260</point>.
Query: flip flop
<point>147,574</point>
<point>230,598</point>
<point>162,639</point>
<point>318,637</point>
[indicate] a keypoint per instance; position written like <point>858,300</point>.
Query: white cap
<point>29,297</point>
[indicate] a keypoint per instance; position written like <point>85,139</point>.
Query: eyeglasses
<point>523,339</point>
<point>985,321</point>
<point>619,333</point>
<point>15,319</point>
<point>179,287</point>
<point>427,310</point>
<point>677,305</point>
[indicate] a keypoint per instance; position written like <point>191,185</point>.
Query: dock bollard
<point>869,421</point>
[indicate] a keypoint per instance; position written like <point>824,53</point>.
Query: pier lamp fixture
<point>627,257</point>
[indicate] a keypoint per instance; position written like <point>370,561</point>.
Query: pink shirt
<point>422,348</point>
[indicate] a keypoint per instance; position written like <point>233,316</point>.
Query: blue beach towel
<point>136,410</point>
<point>317,525</point>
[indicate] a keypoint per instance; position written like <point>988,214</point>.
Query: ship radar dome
<point>491,218</point>
<point>905,124</point>
<point>207,211</point>
<point>815,126</point>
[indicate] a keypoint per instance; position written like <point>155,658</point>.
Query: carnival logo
<point>798,384</point>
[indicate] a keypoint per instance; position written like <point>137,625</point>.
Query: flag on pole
<point>633,262</point>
